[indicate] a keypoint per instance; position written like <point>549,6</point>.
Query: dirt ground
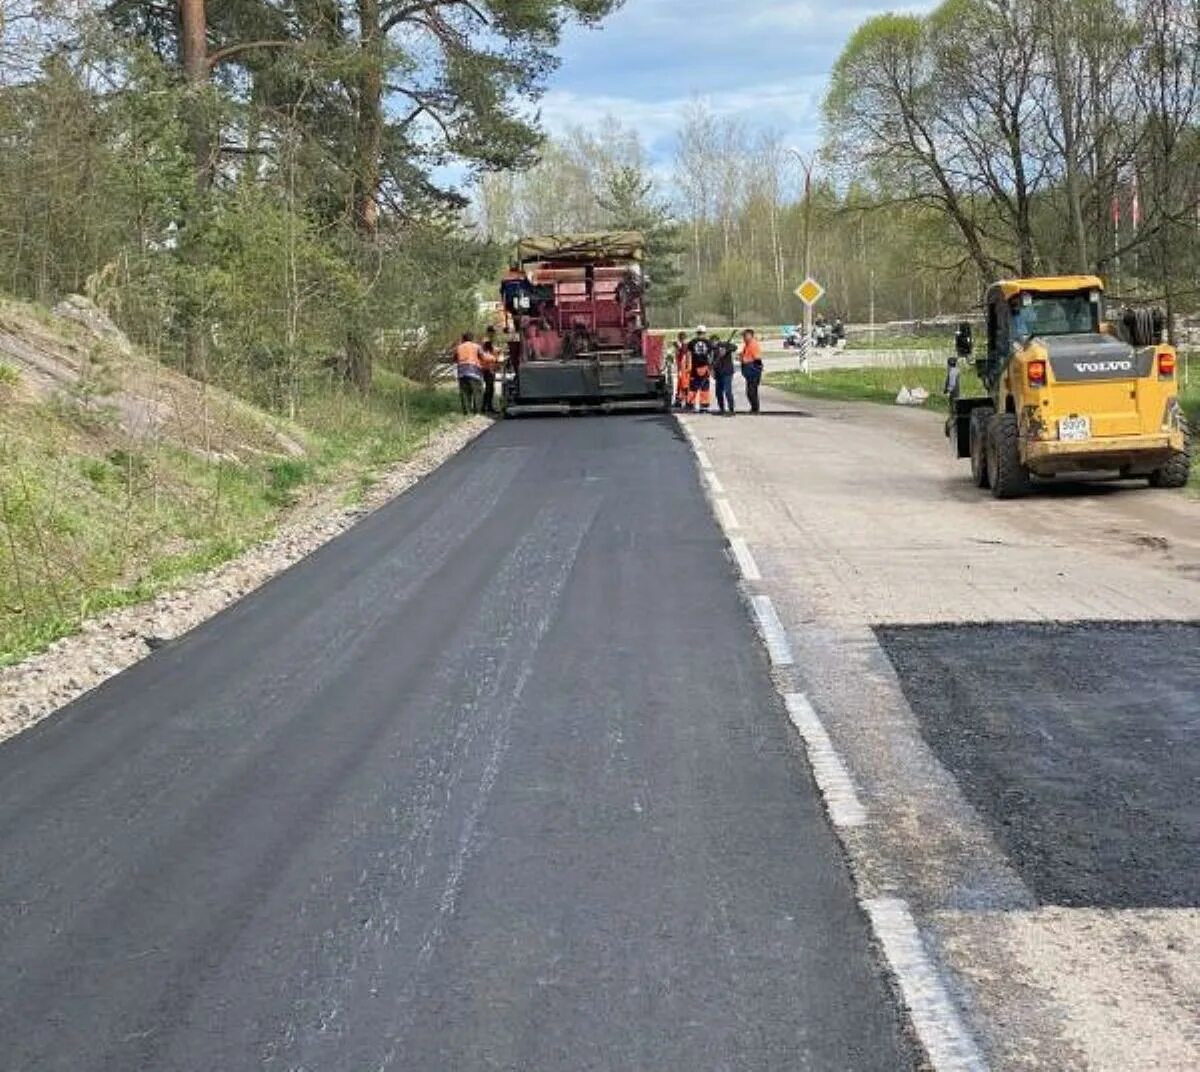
<point>857,518</point>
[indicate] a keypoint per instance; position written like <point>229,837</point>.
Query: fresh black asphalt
<point>498,780</point>
<point>1077,743</point>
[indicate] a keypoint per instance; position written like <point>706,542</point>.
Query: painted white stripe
<point>726,515</point>
<point>773,632</point>
<point>845,809</point>
<point>703,458</point>
<point>947,1044</point>
<point>714,482</point>
<point>745,560</point>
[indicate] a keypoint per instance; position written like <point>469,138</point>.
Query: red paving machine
<point>577,306</point>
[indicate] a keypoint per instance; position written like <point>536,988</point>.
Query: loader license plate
<point>1074,428</point>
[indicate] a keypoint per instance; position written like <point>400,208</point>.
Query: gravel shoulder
<point>858,518</point>
<point>108,644</point>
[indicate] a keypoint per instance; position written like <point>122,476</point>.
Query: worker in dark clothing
<point>722,367</point>
<point>490,362</point>
<point>752,367</point>
<point>951,387</point>
<point>699,395</point>
<point>516,292</point>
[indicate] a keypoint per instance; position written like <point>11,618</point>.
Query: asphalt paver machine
<point>580,337</point>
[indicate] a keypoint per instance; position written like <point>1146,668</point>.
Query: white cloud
<point>765,61</point>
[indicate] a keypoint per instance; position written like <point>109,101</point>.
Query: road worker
<point>516,294</point>
<point>752,367</point>
<point>468,358</point>
<point>682,368</point>
<point>722,367</point>
<point>953,377</point>
<point>490,363</point>
<point>699,395</point>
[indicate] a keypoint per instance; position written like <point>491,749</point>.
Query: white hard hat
<point>700,329</point>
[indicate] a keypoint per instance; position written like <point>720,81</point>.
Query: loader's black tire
<point>979,441</point>
<point>1174,473</point>
<point>1009,479</point>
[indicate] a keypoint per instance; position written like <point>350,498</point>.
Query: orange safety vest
<point>468,353</point>
<point>751,351</point>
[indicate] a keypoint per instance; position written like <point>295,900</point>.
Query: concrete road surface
<point>499,780</point>
<point>1009,694</point>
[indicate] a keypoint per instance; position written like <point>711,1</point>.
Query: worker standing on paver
<point>752,367</point>
<point>699,396</point>
<point>683,367</point>
<point>468,358</point>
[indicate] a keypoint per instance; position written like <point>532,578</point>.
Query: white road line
<point>745,560</point>
<point>845,809</point>
<point>703,458</point>
<point>773,632</point>
<point>947,1044</point>
<point>714,482</point>
<point>726,515</point>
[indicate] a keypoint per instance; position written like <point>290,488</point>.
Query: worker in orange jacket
<point>699,393</point>
<point>752,367</point>
<point>468,360</point>
<point>682,369</point>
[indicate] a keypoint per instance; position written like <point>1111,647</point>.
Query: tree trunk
<point>1066,102</point>
<point>368,147</point>
<point>193,56</point>
<point>193,53</point>
<point>369,133</point>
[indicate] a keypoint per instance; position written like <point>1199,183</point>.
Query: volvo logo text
<point>1103,366</point>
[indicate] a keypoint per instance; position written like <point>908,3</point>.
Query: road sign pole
<point>809,292</point>
<point>808,313</point>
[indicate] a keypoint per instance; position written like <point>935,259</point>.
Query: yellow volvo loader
<point>1068,392</point>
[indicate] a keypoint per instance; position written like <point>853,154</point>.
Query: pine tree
<point>629,202</point>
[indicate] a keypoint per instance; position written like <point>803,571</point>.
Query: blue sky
<point>767,61</point>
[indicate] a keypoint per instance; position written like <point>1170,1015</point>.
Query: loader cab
<point>1019,311</point>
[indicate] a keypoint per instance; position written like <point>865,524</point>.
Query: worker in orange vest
<point>699,394</point>
<point>752,367</point>
<point>468,359</point>
<point>682,368</point>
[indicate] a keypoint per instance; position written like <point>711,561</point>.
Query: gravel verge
<point>108,644</point>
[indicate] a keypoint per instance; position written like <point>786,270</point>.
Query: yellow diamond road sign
<point>810,291</point>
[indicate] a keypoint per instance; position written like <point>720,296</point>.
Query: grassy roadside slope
<point>125,478</point>
<point>881,385</point>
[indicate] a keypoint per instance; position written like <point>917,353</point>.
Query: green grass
<point>872,384</point>
<point>860,341</point>
<point>90,521</point>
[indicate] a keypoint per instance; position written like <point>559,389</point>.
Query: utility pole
<point>872,307</point>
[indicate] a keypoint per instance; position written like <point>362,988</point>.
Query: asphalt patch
<point>1079,744</point>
